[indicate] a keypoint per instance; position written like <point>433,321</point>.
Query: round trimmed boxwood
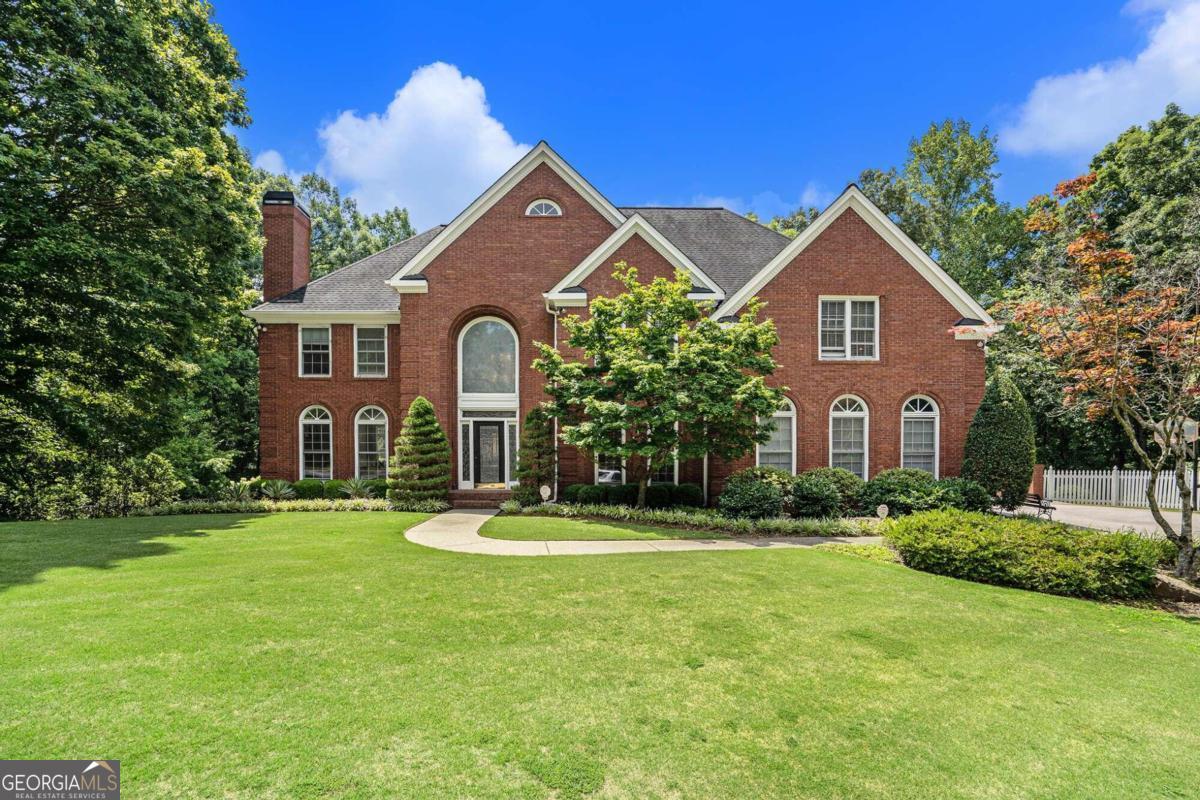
<point>848,484</point>
<point>815,496</point>
<point>333,490</point>
<point>309,489</point>
<point>592,494</point>
<point>621,494</point>
<point>902,490</point>
<point>963,494</point>
<point>570,494</point>
<point>689,495</point>
<point>658,495</point>
<point>751,500</point>
<point>778,478</point>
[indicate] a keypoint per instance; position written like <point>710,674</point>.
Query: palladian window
<point>489,358</point>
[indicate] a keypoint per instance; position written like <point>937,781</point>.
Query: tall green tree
<point>124,215</point>
<point>659,379</point>
<point>341,233</point>
<point>536,458</point>
<point>420,465</point>
<point>1000,452</point>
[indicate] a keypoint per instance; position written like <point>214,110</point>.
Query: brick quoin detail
<point>502,264</point>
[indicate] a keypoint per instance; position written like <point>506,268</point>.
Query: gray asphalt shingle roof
<point>728,247</point>
<point>361,286</point>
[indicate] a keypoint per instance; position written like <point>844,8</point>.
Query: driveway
<point>1111,518</point>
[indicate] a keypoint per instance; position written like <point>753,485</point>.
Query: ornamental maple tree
<point>660,379</point>
<point>1126,338</point>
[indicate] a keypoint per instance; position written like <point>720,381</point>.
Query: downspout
<point>554,313</point>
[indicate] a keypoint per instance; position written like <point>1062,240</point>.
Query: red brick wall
<point>503,263</point>
<point>917,353</point>
<point>283,395</point>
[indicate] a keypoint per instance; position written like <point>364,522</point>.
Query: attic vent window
<point>543,208</point>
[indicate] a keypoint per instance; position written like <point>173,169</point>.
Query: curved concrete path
<point>458,531</point>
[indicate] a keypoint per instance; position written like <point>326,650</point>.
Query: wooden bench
<point>1041,504</point>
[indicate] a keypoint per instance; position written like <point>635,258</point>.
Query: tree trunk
<point>1187,565</point>
<point>641,501</point>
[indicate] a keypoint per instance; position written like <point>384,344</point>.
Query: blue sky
<point>757,108</point>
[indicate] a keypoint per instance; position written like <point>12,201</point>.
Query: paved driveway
<point>1110,518</point>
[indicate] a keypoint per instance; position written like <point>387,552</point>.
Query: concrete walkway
<point>458,531</point>
<point>1112,518</point>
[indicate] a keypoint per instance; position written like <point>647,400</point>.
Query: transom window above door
<point>543,208</point>
<point>849,329</point>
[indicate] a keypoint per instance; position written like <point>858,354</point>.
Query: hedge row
<point>658,495</point>
<point>710,521</point>
<point>268,506</point>
<point>1027,554</point>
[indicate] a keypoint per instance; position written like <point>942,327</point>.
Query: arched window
<point>543,208</point>
<point>848,435</point>
<point>487,358</point>
<point>919,432</point>
<point>316,443</point>
<point>370,443</point>
<point>780,451</point>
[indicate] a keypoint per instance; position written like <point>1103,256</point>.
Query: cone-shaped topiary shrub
<point>535,458</point>
<point>1000,451</point>
<point>420,466</point>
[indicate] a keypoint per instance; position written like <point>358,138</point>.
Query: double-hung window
<point>370,352</point>
<point>315,352</point>
<point>849,328</point>
<point>780,450</point>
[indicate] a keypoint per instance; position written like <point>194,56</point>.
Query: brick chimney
<point>287,228</point>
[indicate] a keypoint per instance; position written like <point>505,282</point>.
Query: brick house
<point>881,351</point>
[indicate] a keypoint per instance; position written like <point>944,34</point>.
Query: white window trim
<point>866,417</point>
<point>596,469</point>
<point>488,400</point>
<point>510,466</point>
<point>386,437</point>
<point>547,200</point>
<point>789,410</point>
<point>385,352</point>
<point>846,300</point>
<point>300,433</point>
<point>300,351</point>
<point>936,416</point>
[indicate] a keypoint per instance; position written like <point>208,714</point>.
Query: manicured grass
<point>322,655</point>
<point>557,529</point>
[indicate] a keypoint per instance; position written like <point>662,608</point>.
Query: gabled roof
<point>360,287</point>
<point>635,225</point>
<point>541,154</point>
<point>853,198</point>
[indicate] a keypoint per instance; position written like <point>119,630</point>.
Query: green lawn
<point>557,529</point>
<point>323,655</point>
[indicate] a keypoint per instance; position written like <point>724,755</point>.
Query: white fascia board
<point>410,286</point>
<point>277,317</point>
<point>853,198</point>
<point>566,299</point>
<point>541,154</point>
<point>637,224</point>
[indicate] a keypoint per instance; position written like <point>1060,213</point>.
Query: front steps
<point>478,498</point>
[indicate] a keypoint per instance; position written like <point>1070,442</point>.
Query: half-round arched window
<point>919,434</point>
<point>848,434</point>
<point>543,208</point>
<point>487,358</point>
<point>316,443</point>
<point>780,451</point>
<point>370,443</point>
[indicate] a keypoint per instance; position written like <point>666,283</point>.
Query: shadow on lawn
<point>27,549</point>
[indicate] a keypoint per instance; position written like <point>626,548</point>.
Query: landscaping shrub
<point>711,520</point>
<point>776,477</point>
<point>510,507</point>
<point>420,465</point>
<point>1041,556</point>
<point>593,494</point>
<point>536,455</point>
<point>276,490</point>
<point>309,489</point>
<point>999,453</point>
<point>815,496</point>
<point>525,496</point>
<point>848,484</point>
<point>688,495</point>
<point>658,495</point>
<point>357,489</point>
<point>570,494</point>
<point>964,495</point>
<point>237,491</point>
<point>378,487</point>
<point>903,491</point>
<point>622,494</point>
<point>751,499</point>
<point>334,490</point>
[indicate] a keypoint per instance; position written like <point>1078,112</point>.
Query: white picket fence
<point>1114,487</point>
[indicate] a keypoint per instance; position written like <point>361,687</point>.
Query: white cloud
<point>1077,113</point>
<point>433,150</point>
<point>271,161</point>
<point>769,204</point>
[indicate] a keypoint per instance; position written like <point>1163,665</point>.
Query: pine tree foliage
<point>1000,451</point>
<point>536,458</point>
<point>420,466</point>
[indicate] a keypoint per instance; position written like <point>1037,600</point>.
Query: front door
<point>488,446</point>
